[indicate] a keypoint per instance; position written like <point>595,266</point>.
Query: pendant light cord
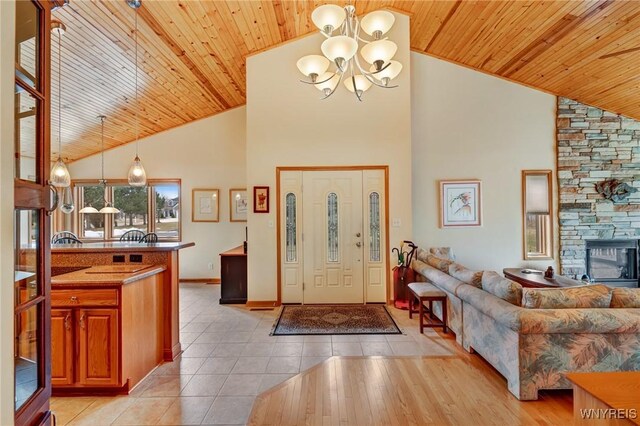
<point>102,148</point>
<point>59,93</point>
<point>136,81</point>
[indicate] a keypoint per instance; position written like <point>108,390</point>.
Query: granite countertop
<point>106,275</point>
<point>117,246</point>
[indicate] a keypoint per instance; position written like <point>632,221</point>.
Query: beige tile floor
<point>228,359</point>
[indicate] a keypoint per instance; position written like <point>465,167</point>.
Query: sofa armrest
<point>566,321</point>
<point>500,310</point>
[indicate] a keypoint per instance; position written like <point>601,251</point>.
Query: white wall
<point>7,34</point>
<point>471,125</point>
<point>208,153</point>
<point>288,125</point>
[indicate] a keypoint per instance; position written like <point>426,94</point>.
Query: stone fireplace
<point>613,262</point>
<point>593,146</point>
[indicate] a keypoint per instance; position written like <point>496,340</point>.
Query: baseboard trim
<point>262,304</point>
<point>200,280</point>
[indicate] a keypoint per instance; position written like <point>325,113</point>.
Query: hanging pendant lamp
<point>137,175</point>
<point>60,176</point>
<point>108,207</point>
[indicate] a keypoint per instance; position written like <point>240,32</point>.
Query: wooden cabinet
<point>62,347</point>
<point>97,334</point>
<point>233,276</point>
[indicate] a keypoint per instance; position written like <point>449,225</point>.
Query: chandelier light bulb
<point>339,48</point>
<point>377,23</point>
<point>389,73</point>
<point>361,82</point>
<point>328,17</point>
<point>313,65</point>
<point>379,52</point>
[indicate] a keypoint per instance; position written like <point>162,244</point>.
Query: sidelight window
<point>374,227</point>
<point>332,227</point>
<point>290,230</point>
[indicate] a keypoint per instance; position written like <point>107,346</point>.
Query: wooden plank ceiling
<point>192,54</point>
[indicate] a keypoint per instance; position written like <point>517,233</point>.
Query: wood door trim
<point>385,169</point>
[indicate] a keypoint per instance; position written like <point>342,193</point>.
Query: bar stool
<point>426,292</point>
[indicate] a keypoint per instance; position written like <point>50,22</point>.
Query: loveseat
<point>531,346</point>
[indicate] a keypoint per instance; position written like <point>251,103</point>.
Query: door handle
<point>358,234</point>
<point>67,326</point>
<point>82,321</point>
<point>56,200</point>
<point>358,244</point>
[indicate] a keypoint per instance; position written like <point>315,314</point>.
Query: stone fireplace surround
<point>594,145</point>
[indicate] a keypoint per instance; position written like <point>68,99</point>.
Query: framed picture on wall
<point>205,206</point>
<point>460,203</point>
<point>238,205</point>
<point>261,199</point>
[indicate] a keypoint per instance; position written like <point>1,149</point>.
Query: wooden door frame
<point>385,169</point>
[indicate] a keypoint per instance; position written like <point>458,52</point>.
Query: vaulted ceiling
<point>192,54</point>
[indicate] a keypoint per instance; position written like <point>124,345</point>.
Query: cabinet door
<point>61,347</point>
<point>98,342</point>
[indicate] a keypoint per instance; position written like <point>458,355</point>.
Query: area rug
<point>335,319</point>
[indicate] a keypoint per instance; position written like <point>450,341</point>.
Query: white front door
<point>332,237</point>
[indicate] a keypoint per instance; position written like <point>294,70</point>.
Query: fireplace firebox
<point>613,262</point>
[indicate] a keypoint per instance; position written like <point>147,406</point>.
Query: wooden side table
<point>607,398</point>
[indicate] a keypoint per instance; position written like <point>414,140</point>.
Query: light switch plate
<point>270,224</point>
<point>396,223</point>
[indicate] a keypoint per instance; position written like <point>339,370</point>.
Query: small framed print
<point>205,206</point>
<point>261,199</point>
<point>460,203</point>
<point>238,205</point>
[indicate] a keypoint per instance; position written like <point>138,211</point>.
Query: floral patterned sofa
<point>533,347</point>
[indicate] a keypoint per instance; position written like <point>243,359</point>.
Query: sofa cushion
<point>426,290</point>
<point>439,263</point>
<point>625,297</point>
<point>465,275</point>
<point>421,254</point>
<point>442,252</point>
<point>501,287</point>
<point>587,296</point>
<point>443,281</point>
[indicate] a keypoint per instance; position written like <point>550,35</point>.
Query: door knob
<point>358,244</point>
<point>357,234</point>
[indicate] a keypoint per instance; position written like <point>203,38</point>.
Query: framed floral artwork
<point>460,203</point>
<point>238,205</point>
<point>261,199</point>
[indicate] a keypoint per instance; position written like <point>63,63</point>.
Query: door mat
<point>335,319</point>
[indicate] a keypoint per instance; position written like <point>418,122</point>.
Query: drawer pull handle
<point>67,325</point>
<point>74,299</point>
<point>82,321</point>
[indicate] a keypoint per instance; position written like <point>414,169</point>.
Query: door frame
<point>385,169</point>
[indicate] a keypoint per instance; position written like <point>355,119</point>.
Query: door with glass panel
<point>33,203</point>
<point>333,236</point>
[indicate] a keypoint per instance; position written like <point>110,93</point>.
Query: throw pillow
<point>441,252</point>
<point>587,296</point>
<point>439,263</point>
<point>466,275</point>
<point>501,287</point>
<point>421,254</point>
<point>625,297</point>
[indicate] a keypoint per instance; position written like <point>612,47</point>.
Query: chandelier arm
<point>370,73</point>
<point>317,82</point>
<point>353,81</point>
<point>372,80</point>
<point>335,88</point>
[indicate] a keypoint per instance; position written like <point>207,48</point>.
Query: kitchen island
<point>107,328</point>
<point>68,257</point>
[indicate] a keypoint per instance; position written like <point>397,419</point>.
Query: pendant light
<point>67,206</point>
<point>60,176</point>
<point>137,175</point>
<point>108,207</point>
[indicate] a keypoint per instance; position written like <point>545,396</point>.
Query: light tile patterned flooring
<point>228,359</point>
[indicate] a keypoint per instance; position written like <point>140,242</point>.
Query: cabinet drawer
<point>101,297</point>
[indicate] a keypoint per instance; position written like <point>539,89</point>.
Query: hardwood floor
<point>438,390</point>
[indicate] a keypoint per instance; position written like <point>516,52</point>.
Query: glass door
<point>34,200</point>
